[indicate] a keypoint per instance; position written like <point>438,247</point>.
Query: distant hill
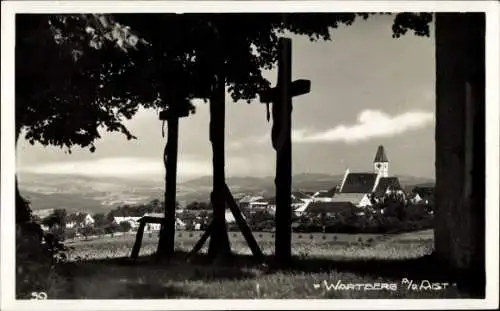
<point>265,185</point>
<point>80,193</point>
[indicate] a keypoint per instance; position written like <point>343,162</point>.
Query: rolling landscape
<point>89,194</point>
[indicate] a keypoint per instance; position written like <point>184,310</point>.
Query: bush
<point>36,254</point>
<point>70,233</point>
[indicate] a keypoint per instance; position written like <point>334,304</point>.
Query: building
<point>259,204</point>
<point>79,220</point>
<point>364,188</point>
<point>295,202</point>
<point>423,195</point>
<point>303,196</point>
<point>179,224</point>
<point>133,221</point>
<point>324,195</point>
<point>245,202</point>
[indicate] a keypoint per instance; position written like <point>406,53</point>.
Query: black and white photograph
<point>249,155</point>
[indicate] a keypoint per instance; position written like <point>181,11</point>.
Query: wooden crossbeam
<point>244,228</point>
<point>202,240</point>
<point>138,241</point>
<point>242,224</point>
<point>297,88</point>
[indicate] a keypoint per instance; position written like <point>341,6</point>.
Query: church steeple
<point>381,164</point>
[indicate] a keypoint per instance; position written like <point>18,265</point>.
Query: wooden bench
<point>140,233</point>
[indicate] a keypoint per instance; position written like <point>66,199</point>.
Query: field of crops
<point>337,246</point>
<point>97,269</point>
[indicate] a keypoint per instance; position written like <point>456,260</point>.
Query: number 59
<point>38,295</point>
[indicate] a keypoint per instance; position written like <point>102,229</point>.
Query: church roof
<point>387,182</point>
<point>380,156</point>
<point>359,183</point>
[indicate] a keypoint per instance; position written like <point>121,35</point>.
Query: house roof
<point>359,183</point>
<point>249,199</point>
<point>272,201</point>
<point>353,198</point>
<point>380,156</point>
<point>424,192</point>
<point>300,195</point>
<point>387,182</point>
<point>330,207</point>
<point>159,215</point>
<point>119,219</point>
<point>261,200</point>
<point>325,193</point>
<point>78,217</point>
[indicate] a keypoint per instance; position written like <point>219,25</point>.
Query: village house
<point>79,220</point>
<point>422,195</point>
<point>302,196</point>
<point>258,205</point>
<point>245,202</point>
<point>133,221</point>
<point>324,195</point>
<point>179,224</point>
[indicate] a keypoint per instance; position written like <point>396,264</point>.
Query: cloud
<point>120,167</point>
<point>370,124</point>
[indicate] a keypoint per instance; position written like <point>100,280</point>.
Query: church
<point>365,189</point>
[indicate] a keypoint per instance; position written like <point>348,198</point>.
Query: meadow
<point>99,268</point>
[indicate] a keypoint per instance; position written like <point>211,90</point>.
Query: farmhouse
<point>245,202</point>
<point>79,220</point>
<point>179,224</point>
<point>133,221</point>
<point>260,204</point>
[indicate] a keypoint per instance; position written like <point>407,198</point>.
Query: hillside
<point>78,193</point>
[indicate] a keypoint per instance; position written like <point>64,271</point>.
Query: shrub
<point>36,253</point>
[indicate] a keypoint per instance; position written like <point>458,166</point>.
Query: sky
<point>367,89</point>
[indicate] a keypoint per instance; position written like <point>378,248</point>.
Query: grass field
<point>99,269</point>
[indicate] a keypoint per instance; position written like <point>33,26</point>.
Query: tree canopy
<point>77,74</point>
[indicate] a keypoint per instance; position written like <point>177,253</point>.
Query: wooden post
<point>138,241</point>
<point>179,108</point>
<point>281,98</point>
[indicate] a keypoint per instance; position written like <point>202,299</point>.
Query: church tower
<point>381,164</point>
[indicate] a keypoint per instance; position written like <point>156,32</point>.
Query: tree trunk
<point>460,146</point>
<point>219,241</point>
<point>167,233</point>
<point>23,210</point>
